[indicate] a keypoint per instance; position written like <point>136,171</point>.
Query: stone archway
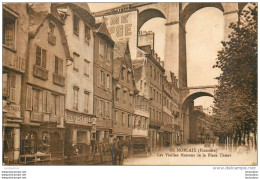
<point>146,15</point>
<point>187,109</point>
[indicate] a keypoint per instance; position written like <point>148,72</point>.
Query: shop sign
<point>12,110</point>
<point>77,118</point>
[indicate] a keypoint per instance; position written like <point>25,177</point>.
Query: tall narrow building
<point>123,92</point>
<point>44,86</point>
<point>78,24</point>
<point>103,66</point>
<point>15,33</point>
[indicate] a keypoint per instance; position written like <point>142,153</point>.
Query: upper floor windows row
<point>77,64</point>
<point>40,68</point>
<point>76,28</point>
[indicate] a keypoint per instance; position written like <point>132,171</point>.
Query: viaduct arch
<point>177,15</point>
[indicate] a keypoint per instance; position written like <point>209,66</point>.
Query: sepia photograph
<point>129,83</point>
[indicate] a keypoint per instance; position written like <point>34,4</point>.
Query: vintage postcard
<point>144,83</point>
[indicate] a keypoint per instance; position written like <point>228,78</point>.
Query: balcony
<point>58,79</point>
<point>40,72</point>
<point>51,39</point>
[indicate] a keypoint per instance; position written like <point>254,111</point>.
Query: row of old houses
<point>67,82</point>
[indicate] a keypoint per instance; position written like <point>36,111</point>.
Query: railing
<point>40,72</point>
<point>58,79</point>
<point>51,39</point>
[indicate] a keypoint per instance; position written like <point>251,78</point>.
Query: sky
<point>204,34</point>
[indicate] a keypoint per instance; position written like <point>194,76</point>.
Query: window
<point>101,49</point>
<point>51,28</point>
<point>128,77</point>
<point>131,100</point>
<point>117,94</point>
<point>58,66</point>
<point>110,54</point>
<point>123,74</point>
<point>36,101</point>
<point>75,62</point>
<point>124,97</point>
<point>154,75</point>
<point>86,67</point>
<point>5,84</point>
<point>76,25</point>
<point>9,84</point>
<point>102,78</point>
<point>75,97</point>
<point>55,111</point>
<point>157,97</point>
<point>151,71</point>
<point>9,30</point>
<point>123,120</point>
<point>40,57</point>
<point>86,101</point>
<point>87,33</point>
<point>108,82</point>
<point>129,121</point>
<point>154,95</point>
<point>108,110</point>
<point>115,117</point>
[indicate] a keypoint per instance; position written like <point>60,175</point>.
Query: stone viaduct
<point>176,16</point>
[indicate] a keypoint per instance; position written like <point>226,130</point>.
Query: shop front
<point>43,138</point>
<point>11,132</point>
<point>80,134</point>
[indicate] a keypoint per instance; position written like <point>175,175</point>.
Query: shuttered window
<point>40,57</point>
<point>35,100</point>
<point>12,87</point>
<point>58,66</point>
<point>9,23</point>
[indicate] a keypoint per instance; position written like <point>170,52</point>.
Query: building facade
<point>15,32</point>
<point>44,85</point>
<point>78,24</point>
<point>123,92</point>
<point>154,72</point>
<point>103,61</point>
<point>200,122</point>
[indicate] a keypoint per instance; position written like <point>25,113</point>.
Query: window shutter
<point>99,77</point>
<point>29,98</point>
<point>57,102</point>
<point>40,101</point>
<point>44,101</point>
<point>48,100</point>
<point>12,87</point>
<point>62,106</point>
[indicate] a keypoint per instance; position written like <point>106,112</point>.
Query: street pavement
<point>190,154</point>
<point>196,155</point>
